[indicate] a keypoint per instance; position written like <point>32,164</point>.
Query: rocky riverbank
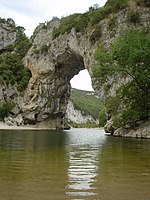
<point>142,131</point>
<point>4,126</point>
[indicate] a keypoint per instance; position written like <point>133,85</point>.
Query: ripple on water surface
<point>74,164</point>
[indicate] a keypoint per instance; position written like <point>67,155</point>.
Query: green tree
<point>11,22</point>
<point>12,69</point>
<point>102,117</point>
<point>117,4</point>
<point>128,57</point>
<point>5,108</point>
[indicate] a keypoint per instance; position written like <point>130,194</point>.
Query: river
<point>75,164</point>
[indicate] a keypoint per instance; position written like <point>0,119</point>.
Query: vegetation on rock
<point>89,19</point>
<point>77,21</point>
<point>87,102</point>
<point>128,57</point>
<point>133,17</point>
<point>5,109</point>
<point>102,117</point>
<point>143,3</point>
<point>11,66</point>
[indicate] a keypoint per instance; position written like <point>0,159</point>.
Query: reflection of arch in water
<point>83,154</point>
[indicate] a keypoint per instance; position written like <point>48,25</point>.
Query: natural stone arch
<point>53,63</point>
<point>69,63</point>
<point>51,59</point>
<point>46,101</point>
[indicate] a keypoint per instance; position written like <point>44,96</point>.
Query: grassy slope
<point>87,102</point>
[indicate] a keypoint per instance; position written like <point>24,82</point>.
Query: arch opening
<point>82,81</point>
<point>51,90</point>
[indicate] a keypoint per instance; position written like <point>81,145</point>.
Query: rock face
<point>78,116</point>
<point>54,62</point>
<point>143,131</point>
<point>7,35</point>
<point>52,69</point>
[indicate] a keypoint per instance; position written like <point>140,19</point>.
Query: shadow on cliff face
<point>68,65</point>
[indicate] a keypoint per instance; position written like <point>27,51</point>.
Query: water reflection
<point>75,164</point>
<point>83,158</point>
<point>32,165</point>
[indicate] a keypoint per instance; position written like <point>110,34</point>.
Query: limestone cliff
<point>77,116</point>
<point>53,62</point>
<point>83,107</point>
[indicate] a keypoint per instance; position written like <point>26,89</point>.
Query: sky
<point>29,13</point>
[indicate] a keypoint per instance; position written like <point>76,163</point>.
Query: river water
<point>75,164</point>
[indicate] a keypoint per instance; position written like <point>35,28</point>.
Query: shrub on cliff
<point>95,36</point>
<point>95,16</point>
<point>77,21</point>
<point>143,3</point>
<point>102,118</point>
<point>90,18</point>
<point>5,108</point>
<point>11,66</point>
<point>117,4</point>
<point>133,17</point>
<point>129,57</point>
<point>12,70</point>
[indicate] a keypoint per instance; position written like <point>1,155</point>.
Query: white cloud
<point>29,13</point>
<point>82,81</point>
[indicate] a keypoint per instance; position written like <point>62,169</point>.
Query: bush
<point>24,80</point>
<point>97,33</point>
<point>81,21</point>
<point>77,21</point>
<point>5,109</point>
<point>12,70</point>
<point>127,57</point>
<point>11,67</point>
<point>117,4</point>
<point>112,104</point>
<point>102,118</point>
<point>91,18</point>
<point>143,3</point>
<point>102,70</point>
<point>56,32</point>
<point>11,22</point>
<point>95,16</point>
<point>2,20</point>
<point>128,118</point>
<point>133,17</point>
<point>112,22</point>
<point>44,48</point>
<point>22,45</point>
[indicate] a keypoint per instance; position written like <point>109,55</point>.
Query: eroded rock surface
<point>78,116</point>
<point>54,62</point>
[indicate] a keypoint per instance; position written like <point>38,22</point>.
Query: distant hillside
<point>87,102</point>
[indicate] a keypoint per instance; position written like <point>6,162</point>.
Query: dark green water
<point>74,164</point>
